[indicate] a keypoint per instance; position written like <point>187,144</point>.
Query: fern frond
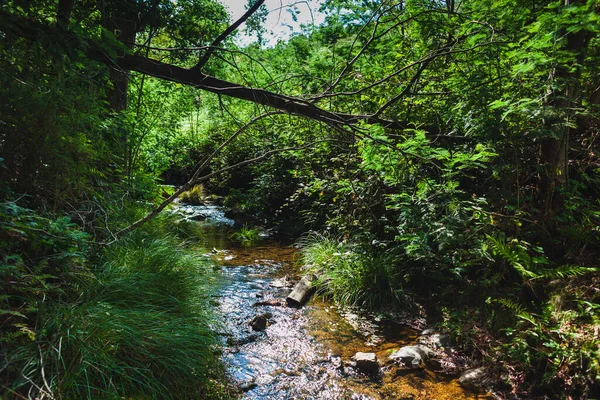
<point>566,271</point>
<point>519,311</point>
<point>517,258</point>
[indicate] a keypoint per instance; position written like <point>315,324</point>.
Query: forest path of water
<point>303,353</point>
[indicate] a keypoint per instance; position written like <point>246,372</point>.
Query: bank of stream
<point>303,353</point>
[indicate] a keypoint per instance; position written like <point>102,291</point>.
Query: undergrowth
<point>130,320</point>
<point>194,196</point>
<point>246,236</point>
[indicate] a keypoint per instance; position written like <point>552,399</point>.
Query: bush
<point>194,196</point>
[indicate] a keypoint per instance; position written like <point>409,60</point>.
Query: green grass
<point>349,274</point>
<point>134,323</point>
<point>194,196</point>
<point>246,236</point>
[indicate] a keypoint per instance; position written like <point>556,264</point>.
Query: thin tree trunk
<point>554,150</point>
<point>124,30</point>
<point>65,9</point>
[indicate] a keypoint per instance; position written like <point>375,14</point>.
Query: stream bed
<point>304,353</point>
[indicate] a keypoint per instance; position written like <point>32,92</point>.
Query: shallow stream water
<point>303,353</point>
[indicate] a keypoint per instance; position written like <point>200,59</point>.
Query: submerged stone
<point>366,362</point>
<point>247,386</point>
<point>259,323</point>
<point>436,340</point>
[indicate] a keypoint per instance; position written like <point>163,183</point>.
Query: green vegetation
<point>194,196</point>
<point>121,321</point>
<point>246,236</point>
<point>351,275</point>
<point>446,154</point>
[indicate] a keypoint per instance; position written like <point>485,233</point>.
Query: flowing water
<point>304,353</point>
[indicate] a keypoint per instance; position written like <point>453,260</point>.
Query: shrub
<point>194,196</point>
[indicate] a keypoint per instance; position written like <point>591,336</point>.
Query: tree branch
<point>33,30</point>
<point>292,105</point>
<point>194,181</point>
<point>226,33</point>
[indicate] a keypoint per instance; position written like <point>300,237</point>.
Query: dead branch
<point>196,178</point>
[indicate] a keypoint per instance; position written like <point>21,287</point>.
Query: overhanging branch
<point>226,33</point>
<point>32,30</point>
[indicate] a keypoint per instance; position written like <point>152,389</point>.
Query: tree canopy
<point>442,152</point>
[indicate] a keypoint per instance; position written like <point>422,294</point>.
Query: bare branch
<point>197,180</point>
<point>408,87</point>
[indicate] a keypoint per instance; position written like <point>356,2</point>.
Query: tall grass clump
<point>246,236</point>
<point>144,328</point>
<point>195,196</point>
<point>349,274</point>
<point>129,321</point>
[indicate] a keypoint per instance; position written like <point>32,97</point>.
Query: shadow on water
<point>303,353</point>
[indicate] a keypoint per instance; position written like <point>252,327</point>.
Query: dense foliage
<point>464,175</point>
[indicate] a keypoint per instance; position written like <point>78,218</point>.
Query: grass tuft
<point>246,236</point>
<point>195,196</point>
<point>137,325</point>
<point>349,274</point>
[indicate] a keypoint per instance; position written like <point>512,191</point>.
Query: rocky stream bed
<point>318,351</point>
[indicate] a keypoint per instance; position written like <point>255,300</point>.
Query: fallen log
<point>301,293</point>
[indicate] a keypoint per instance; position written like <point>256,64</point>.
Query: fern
<point>566,271</point>
<point>519,311</point>
<point>533,268</point>
<point>517,257</point>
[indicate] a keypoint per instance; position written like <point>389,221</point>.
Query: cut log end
<point>301,293</point>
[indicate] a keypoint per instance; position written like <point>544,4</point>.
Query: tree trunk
<point>124,29</point>
<point>553,158</point>
<point>554,150</point>
<point>63,15</point>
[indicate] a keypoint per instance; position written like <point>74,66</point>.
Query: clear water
<point>304,353</point>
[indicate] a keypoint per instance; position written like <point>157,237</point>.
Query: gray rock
<point>243,340</point>
<point>270,302</point>
<point>198,217</point>
<point>436,340</point>
<point>366,362</point>
<point>247,386</point>
<point>475,379</point>
<point>281,282</point>
<point>412,356</point>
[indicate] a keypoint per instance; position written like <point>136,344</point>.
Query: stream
<point>303,353</point>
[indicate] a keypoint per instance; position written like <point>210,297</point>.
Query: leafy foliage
<point>480,196</point>
<point>77,328</point>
